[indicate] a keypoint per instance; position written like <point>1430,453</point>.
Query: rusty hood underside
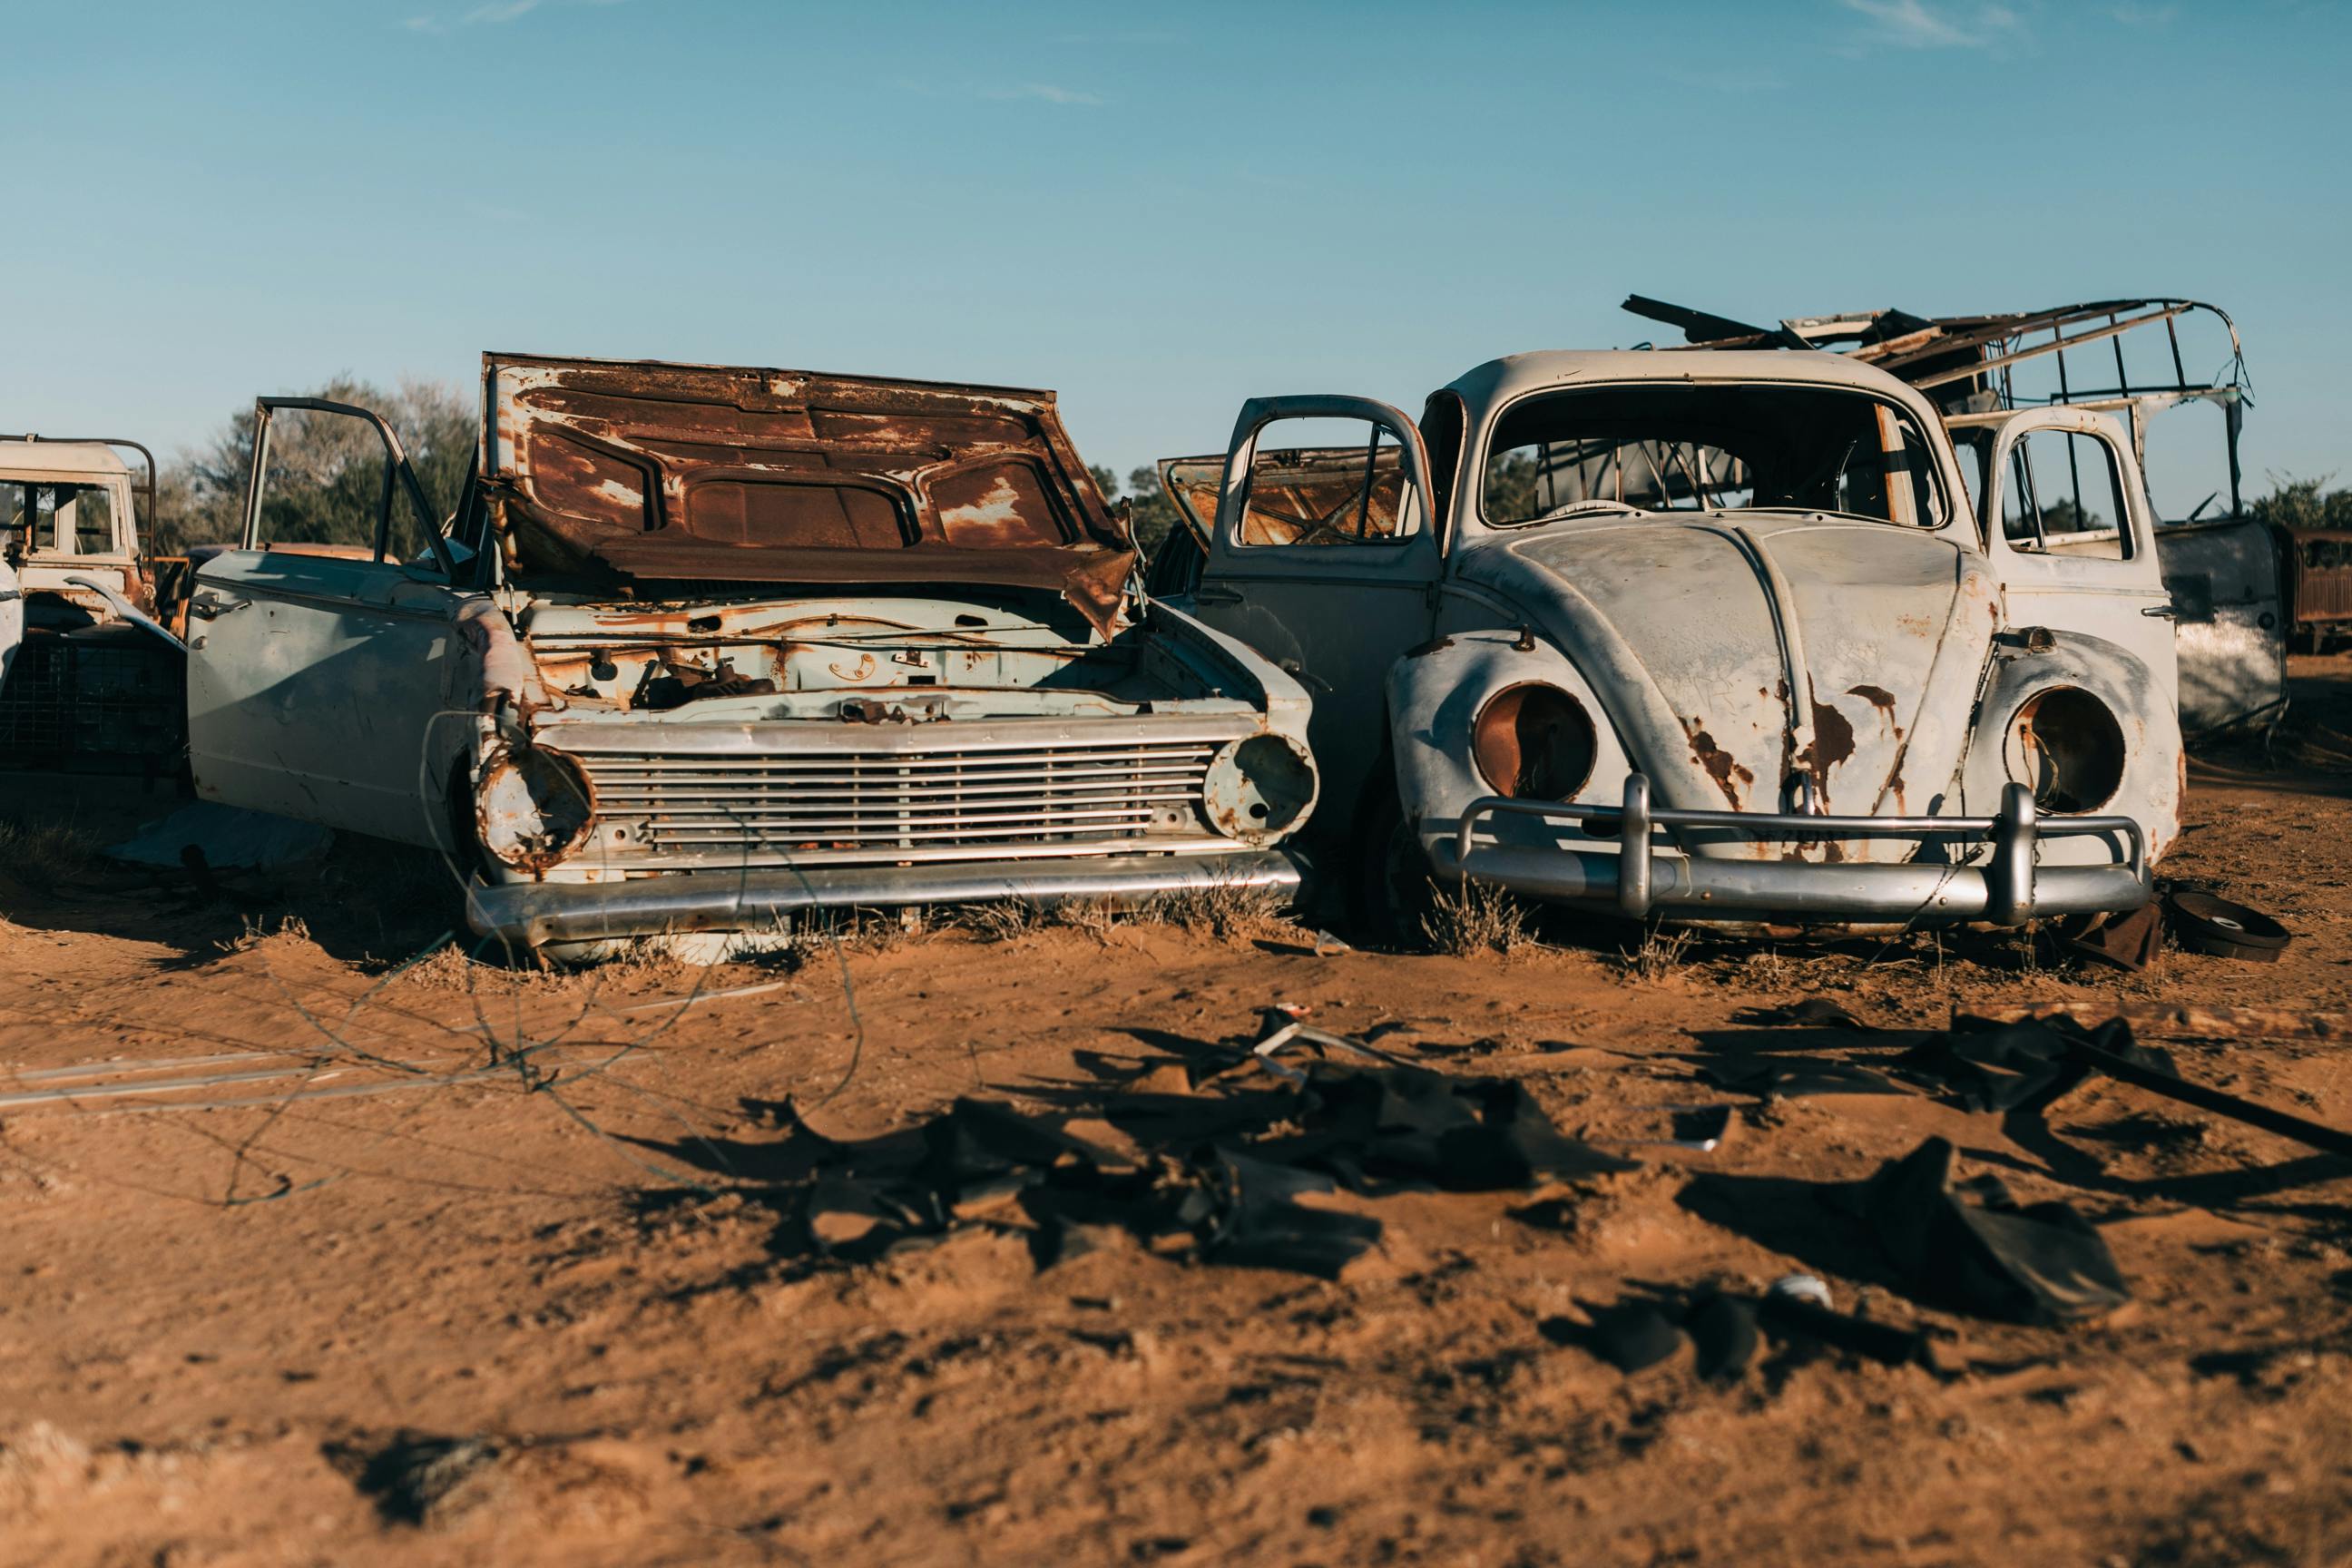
<point>703,474</point>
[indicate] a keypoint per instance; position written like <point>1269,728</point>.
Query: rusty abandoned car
<point>1712,638</point>
<point>2241,587</point>
<point>703,648</point>
<point>85,668</point>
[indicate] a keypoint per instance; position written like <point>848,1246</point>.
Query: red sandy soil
<point>213,1319</point>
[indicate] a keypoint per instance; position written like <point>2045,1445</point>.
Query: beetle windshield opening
<point>1600,450</point>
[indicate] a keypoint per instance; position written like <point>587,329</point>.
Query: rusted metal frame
<point>2058,343</point>
<point>1985,331</point>
<point>397,472</point>
<point>148,488</point>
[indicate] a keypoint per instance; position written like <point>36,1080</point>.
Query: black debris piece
<point>1724,1328</point>
<point>419,1477</point>
<point>1253,1222</point>
<point>2009,1066</point>
<point>2027,1066</point>
<point>1797,1078</point>
<point>1218,1173</point>
<point>2207,924</point>
<point>1632,1336</point>
<point>2129,942</point>
<point>1808,1012</point>
<point>1790,1317</point>
<point>1970,1246</point>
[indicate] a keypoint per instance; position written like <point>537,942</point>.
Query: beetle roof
<point>1501,380</point>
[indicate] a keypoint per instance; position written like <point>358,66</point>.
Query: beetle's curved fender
<point>2150,786</point>
<point>1435,696</point>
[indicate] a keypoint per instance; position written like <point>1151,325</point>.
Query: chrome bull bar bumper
<point>2007,889</point>
<point>527,914</point>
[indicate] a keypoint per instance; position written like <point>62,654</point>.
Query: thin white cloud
<point>492,13</point>
<point>1915,25</point>
<point>1045,92</point>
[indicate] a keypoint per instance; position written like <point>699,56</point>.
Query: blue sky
<point>1158,212</point>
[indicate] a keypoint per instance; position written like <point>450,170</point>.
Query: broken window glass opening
<point>69,519</point>
<point>1598,450</point>
<point>2064,497</point>
<point>1325,481</point>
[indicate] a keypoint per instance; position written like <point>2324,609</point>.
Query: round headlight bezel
<point>1499,752</point>
<point>533,807</point>
<point>1259,789</point>
<point>2067,746</point>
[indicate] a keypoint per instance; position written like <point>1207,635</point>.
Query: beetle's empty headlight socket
<point>1533,741</point>
<point>1258,789</point>
<point>2065,745</point>
<point>533,806</point>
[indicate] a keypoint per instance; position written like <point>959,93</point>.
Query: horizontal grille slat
<point>838,799</point>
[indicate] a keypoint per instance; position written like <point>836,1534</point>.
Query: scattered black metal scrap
<point>1798,1077</point>
<point>1224,1156</point>
<point>1969,1245</point>
<point>2008,1066</point>
<point>2029,1065</point>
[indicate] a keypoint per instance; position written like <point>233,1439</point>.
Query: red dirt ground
<point>214,1321</point>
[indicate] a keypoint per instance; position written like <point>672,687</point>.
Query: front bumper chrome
<point>2007,889</point>
<point>527,914</point>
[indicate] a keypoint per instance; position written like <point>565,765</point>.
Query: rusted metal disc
<point>2204,923</point>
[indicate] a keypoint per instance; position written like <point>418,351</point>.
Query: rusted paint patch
<point>1833,744</point>
<point>1729,775</point>
<point>1878,697</point>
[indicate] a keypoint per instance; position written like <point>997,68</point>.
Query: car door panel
<point>2069,583</point>
<point>320,670</point>
<point>311,696</point>
<point>1335,615</point>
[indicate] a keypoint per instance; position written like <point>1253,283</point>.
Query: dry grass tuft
<point>1658,956</point>
<point>1224,913</point>
<point>42,856</point>
<point>1476,918</point>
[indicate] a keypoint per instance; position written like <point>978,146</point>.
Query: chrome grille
<point>852,800</point>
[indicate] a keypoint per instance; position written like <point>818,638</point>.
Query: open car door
<point>323,652</point>
<point>1323,555</point>
<point>2067,524</point>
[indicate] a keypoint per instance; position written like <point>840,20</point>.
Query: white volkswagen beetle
<point>1730,639</point>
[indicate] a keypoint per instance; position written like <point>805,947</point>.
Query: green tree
<point>326,472</point>
<point>2304,503</point>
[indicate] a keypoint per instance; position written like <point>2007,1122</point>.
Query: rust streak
<point>1833,744</point>
<point>1719,764</point>
<point>1878,697</point>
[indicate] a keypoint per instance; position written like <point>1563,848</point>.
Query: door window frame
<point>398,476</point>
<point>1241,456</point>
<point>2136,569</point>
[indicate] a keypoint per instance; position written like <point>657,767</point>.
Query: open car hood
<point>710,474</point>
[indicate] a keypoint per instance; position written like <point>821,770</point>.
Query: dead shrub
<point>1659,955</point>
<point>43,855</point>
<point>1004,921</point>
<point>1223,912</point>
<point>1476,917</point>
